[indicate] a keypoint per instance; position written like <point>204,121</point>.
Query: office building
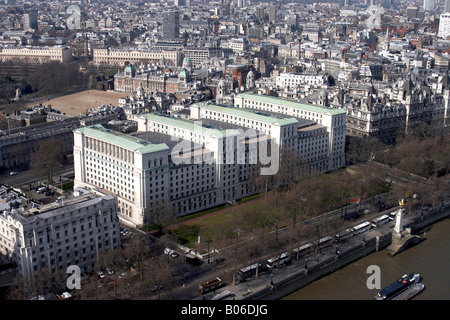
<point>428,4</point>
<point>171,25</point>
<point>30,21</point>
<point>333,119</point>
<point>153,172</point>
<point>444,25</point>
<point>35,54</point>
<point>136,56</point>
<point>180,166</point>
<point>71,231</point>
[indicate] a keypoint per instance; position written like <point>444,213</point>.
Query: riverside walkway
<point>282,281</point>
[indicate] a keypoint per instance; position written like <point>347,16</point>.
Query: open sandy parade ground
<point>76,103</point>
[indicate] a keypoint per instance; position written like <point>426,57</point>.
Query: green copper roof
<point>126,141</point>
<point>292,104</point>
<point>190,125</point>
<point>240,112</point>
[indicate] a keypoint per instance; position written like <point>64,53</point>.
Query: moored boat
<point>410,292</point>
<point>398,286</point>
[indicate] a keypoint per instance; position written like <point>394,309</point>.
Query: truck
<point>210,286</point>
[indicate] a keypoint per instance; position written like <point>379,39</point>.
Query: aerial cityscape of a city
<point>197,150</point>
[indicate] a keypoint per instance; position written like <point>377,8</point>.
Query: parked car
<point>100,274</point>
<point>64,295</point>
<point>42,190</point>
<point>12,173</point>
<point>110,271</point>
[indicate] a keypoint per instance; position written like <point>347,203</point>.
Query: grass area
<point>211,210</point>
<point>327,191</point>
<point>67,186</point>
<point>188,233</point>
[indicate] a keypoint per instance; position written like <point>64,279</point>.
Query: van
<point>191,259</point>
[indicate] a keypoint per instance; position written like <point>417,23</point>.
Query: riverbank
<point>286,280</point>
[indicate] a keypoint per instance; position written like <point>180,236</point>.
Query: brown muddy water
<point>430,258</point>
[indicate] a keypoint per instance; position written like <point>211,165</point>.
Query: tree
<point>161,215</point>
<point>48,157</point>
<point>136,252</point>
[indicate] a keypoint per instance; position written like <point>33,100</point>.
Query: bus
<point>210,286</point>
<point>303,250</point>
<point>225,295</point>
<point>324,242</point>
<point>361,228</point>
<point>380,220</point>
<point>279,260</point>
<point>347,233</point>
<point>250,271</point>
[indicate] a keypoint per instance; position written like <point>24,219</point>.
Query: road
<point>27,177</point>
<point>188,277</point>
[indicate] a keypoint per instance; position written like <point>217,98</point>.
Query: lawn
<point>188,233</point>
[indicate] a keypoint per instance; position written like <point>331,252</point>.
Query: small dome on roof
<point>183,73</point>
<point>130,68</point>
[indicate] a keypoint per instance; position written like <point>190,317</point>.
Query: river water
<point>430,258</point>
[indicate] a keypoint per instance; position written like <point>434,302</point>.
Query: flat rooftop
<point>257,115</point>
<point>293,104</point>
<point>190,125</point>
<point>158,137</point>
<point>124,140</point>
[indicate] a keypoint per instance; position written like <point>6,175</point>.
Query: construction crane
<point>371,48</point>
<point>345,50</point>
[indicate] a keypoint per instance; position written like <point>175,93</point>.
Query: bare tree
<point>47,158</point>
<point>161,215</point>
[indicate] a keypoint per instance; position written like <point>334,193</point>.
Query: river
<point>430,258</point>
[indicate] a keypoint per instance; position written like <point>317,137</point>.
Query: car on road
<point>42,190</point>
<point>13,173</point>
<point>156,288</point>
<point>170,252</point>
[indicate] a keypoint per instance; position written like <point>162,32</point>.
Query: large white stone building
<point>35,55</point>
<point>52,237</point>
<point>444,25</point>
<point>174,165</point>
<point>181,166</point>
<point>292,80</point>
<point>136,56</point>
<point>334,120</point>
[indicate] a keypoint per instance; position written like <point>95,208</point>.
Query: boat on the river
<point>398,286</point>
<point>410,292</point>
